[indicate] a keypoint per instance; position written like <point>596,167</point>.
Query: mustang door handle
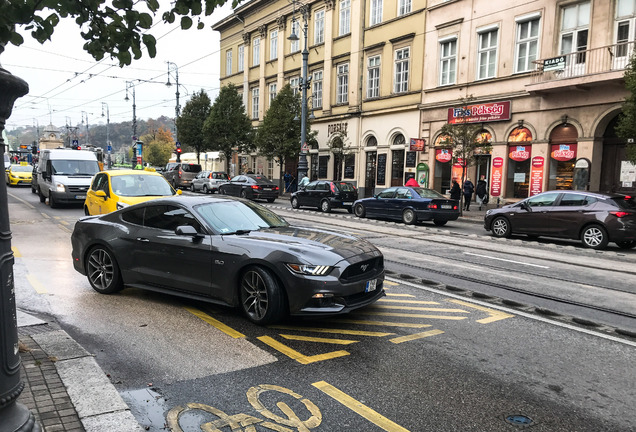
<point>141,239</point>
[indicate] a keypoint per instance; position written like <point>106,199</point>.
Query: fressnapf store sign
<point>480,113</point>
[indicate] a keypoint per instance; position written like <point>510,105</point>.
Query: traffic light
<point>178,150</point>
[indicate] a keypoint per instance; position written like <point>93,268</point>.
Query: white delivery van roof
<point>70,154</point>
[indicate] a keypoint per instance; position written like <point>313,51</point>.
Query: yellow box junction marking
<point>415,336</point>
<point>399,295</point>
<point>328,330</point>
<point>387,282</point>
<point>299,357</point>
<point>494,315</point>
<point>16,252</point>
<point>215,323</point>
<point>417,308</point>
<point>382,323</point>
<point>37,286</point>
<point>405,315</point>
<point>359,408</point>
<point>408,301</point>
<point>319,340</point>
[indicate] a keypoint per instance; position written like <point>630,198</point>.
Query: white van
<point>64,175</point>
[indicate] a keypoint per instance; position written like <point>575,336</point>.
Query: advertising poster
<point>443,155</point>
<point>536,175</point>
<point>496,176</point>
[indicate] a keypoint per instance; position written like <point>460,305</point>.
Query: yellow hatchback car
<point>19,174</point>
<point>114,190</point>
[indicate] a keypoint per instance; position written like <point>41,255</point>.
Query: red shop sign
<point>563,152</point>
<point>443,155</point>
<point>480,113</point>
<point>519,153</point>
<point>496,176</point>
<point>536,175</point>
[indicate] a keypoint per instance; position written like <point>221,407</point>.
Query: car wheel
<point>501,227</point>
<point>262,299</point>
<point>33,190</point>
<point>594,236</point>
<point>294,203</point>
<point>41,195</point>
<point>86,212</point>
<point>222,191</point>
<point>192,188</point>
<point>270,200</point>
<point>408,217</point>
<point>439,222</point>
<point>102,271</point>
<point>52,201</point>
<point>359,210</point>
<point>205,189</point>
<point>325,206</point>
<point>626,244</point>
<point>244,194</point>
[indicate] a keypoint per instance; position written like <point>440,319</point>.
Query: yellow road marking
<point>299,357</point>
<point>415,336</point>
<point>416,308</point>
<point>45,216</point>
<point>495,315</point>
<point>359,408</point>
<point>320,340</point>
<point>327,330</point>
<point>16,252</point>
<point>387,282</point>
<point>399,295</point>
<point>404,315</point>
<point>215,323</point>
<point>63,222</point>
<point>383,323</point>
<point>37,286</point>
<point>408,301</point>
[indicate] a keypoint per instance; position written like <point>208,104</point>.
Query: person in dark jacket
<point>481,191</point>
<point>455,192</point>
<point>469,188</point>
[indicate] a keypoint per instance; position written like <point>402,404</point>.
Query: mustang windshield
<point>230,216</point>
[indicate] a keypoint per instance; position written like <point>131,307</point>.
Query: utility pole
<point>85,113</point>
<point>71,134</point>
<point>177,108</point>
<point>131,85</point>
<point>108,146</point>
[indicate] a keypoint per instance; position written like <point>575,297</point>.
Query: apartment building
<point>544,79</point>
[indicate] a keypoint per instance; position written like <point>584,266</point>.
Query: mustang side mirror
<point>186,230</point>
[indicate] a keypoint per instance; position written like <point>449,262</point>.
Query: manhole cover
<point>519,420</point>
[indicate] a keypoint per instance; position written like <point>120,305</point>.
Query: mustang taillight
<point>620,214</point>
<point>432,206</point>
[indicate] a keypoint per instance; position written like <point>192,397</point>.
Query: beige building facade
<point>544,79</point>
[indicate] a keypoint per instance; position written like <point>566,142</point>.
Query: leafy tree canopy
<point>626,127</point>
<point>228,126</point>
<point>190,122</point>
<point>158,146</point>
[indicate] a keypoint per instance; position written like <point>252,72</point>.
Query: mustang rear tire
<point>262,299</point>
<point>102,271</point>
<point>501,227</point>
<point>594,236</point>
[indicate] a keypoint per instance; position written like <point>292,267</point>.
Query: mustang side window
<point>167,217</point>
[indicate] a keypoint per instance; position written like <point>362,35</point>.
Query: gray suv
<point>182,174</point>
<point>209,181</point>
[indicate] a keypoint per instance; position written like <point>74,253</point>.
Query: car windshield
<point>230,217</point>
<point>627,203</point>
<point>138,185</point>
<point>345,187</point>
<point>75,167</point>
<point>22,168</point>
<point>428,193</point>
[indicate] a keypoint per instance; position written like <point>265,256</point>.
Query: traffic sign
<point>304,148</point>
<point>177,144</point>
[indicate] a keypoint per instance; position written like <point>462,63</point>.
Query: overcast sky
<point>64,80</point>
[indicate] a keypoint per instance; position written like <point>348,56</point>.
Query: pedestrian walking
<point>469,188</point>
<point>456,191</point>
<point>481,191</point>
<point>287,178</point>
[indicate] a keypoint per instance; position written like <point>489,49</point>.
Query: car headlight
<point>309,270</point>
<point>488,212</point>
<point>60,187</point>
<point>121,205</point>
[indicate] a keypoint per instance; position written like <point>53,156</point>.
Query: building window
<point>625,23</point>
<point>273,45</point>
<point>575,21</point>
<point>316,89</point>
<point>294,83</point>
<point>345,17</point>
<point>487,54</point>
<point>373,77</point>
<point>448,62</point>
<point>241,57</point>
<point>527,44</point>
<point>342,90</point>
<point>272,93</point>
<point>376,12</point>
<point>404,7</point>
<point>402,70</point>
<point>295,30</point>
<point>256,51</point>
<point>228,62</point>
<point>255,103</point>
<point>319,27</point>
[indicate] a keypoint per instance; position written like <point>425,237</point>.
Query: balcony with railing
<point>582,69</point>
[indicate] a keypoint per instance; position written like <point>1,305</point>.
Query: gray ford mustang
<point>228,251</point>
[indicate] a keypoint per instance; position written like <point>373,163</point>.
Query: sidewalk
<point>64,387</point>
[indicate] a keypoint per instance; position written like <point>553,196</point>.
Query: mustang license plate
<point>371,285</point>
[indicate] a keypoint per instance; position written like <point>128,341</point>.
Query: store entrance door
<point>369,182</point>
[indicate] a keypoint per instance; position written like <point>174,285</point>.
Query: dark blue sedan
<point>408,204</point>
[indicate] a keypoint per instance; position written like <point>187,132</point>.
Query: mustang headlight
<point>310,270</point>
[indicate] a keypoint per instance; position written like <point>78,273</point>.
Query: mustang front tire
<point>102,271</point>
<point>262,299</point>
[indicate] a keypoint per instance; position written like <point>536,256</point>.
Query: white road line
<point>507,260</point>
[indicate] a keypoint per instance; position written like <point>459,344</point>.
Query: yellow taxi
<point>116,189</point>
<point>19,174</point>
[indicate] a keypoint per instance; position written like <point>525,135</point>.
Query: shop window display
<point>519,152</point>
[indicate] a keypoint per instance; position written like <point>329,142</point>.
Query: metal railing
<point>610,58</point>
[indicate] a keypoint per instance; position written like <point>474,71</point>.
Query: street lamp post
<point>108,147</point>
<point>84,113</point>
<point>304,86</point>
<point>177,108</point>
<point>131,85</point>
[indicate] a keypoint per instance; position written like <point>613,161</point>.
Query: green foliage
<point>115,29</point>
<point>158,146</point>
<point>626,127</point>
<point>228,126</point>
<point>190,123</point>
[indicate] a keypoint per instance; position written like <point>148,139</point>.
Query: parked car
<point>114,190</point>
<point>19,175</point>
<point>408,204</point>
<point>594,218</point>
<point>250,186</point>
<point>181,175</point>
<point>209,181</point>
<point>183,246</point>
<point>34,179</point>
<point>325,195</point>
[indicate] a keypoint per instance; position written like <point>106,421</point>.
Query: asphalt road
<point>424,358</point>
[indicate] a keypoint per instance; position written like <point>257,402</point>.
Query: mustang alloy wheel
<point>102,271</point>
<point>262,299</point>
